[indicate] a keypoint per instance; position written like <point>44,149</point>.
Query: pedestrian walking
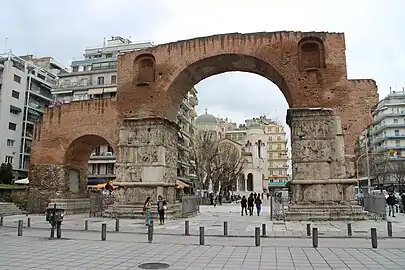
<point>250,203</point>
<point>258,203</point>
<point>146,211</point>
<point>243,204</point>
<point>161,206</point>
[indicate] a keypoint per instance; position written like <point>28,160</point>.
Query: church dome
<point>206,119</point>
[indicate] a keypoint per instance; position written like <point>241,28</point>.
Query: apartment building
<point>25,89</point>
<point>384,139</point>
<point>95,77</point>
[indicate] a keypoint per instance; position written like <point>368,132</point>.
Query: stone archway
<point>308,67</point>
<point>76,161</point>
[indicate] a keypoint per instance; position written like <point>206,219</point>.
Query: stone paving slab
<point>38,253</point>
<point>212,219</point>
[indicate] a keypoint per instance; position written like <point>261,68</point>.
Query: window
<point>100,80</point>
<point>397,143</point>
<point>279,146</point>
<point>108,55</point>
<point>14,110</point>
<point>278,138</point>
<point>17,78</point>
<point>395,121</point>
<point>12,126</point>
<point>396,132</point>
<point>15,94</point>
<point>10,143</point>
<point>9,159</point>
<point>113,79</point>
<point>75,69</point>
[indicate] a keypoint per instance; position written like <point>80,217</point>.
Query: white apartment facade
<point>95,77</point>
<point>387,133</point>
<point>25,90</point>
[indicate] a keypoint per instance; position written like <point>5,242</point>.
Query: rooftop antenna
<point>5,44</point>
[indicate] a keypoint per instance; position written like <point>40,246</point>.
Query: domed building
<point>208,122</point>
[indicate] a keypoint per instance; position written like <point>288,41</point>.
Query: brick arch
<point>79,149</point>
<point>193,73</point>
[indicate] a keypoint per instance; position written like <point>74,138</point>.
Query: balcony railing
<point>103,155</point>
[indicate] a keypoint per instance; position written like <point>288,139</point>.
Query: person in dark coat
<point>243,204</point>
<point>391,201</point>
<point>251,202</point>
<point>258,203</point>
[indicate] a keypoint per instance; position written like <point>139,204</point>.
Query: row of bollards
<point>187,228</point>
<point>257,235</point>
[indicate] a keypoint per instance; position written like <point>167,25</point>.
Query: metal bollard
<point>257,236</point>
<point>103,232</point>
<point>308,230</point>
<point>86,225</point>
<point>117,224</point>
<point>225,227</point>
<point>28,222</point>
<point>187,227</point>
<point>349,229</point>
<point>389,228</point>
<point>374,237</point>
<point>264,231</point>
<point>150,232</point>
<point>20,228</point>
<point>202,240</point>
<point>1,220</point>
<point>315,237</point>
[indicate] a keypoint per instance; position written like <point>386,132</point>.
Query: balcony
<point>28,134</point>
<point>102,156</point>
<point>42,94</point>
<point>36,105</point>
<point>381,116</point>
<point>103,175</point>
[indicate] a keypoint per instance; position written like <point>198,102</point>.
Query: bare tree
<point>380,169</point>
<point>215,160</point>
<point>398,174</point>
<point>228,166</point>
<point>204,151</point>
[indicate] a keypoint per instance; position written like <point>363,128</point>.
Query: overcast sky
<point>375,37</point>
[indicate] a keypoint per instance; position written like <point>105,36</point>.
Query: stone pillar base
<point>317,200</point>
<point>131,196</point>
<point>48,181</point>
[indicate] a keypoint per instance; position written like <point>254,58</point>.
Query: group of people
<point>161,207</point>
<point>248,204</point>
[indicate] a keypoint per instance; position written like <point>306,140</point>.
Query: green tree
<point>6,173</point>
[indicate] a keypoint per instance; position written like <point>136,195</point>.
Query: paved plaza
<point>40,253</point>
<point>128,248</point>
<point>212,218</point>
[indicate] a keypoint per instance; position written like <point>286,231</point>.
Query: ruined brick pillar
<point>318,157</point>
<point>147,164</point>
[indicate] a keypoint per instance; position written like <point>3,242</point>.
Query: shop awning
<point>277,184</point>
<point>181,184</point>
<point>95,91</point>
<point>110,90</point>
<point>14,108</point>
